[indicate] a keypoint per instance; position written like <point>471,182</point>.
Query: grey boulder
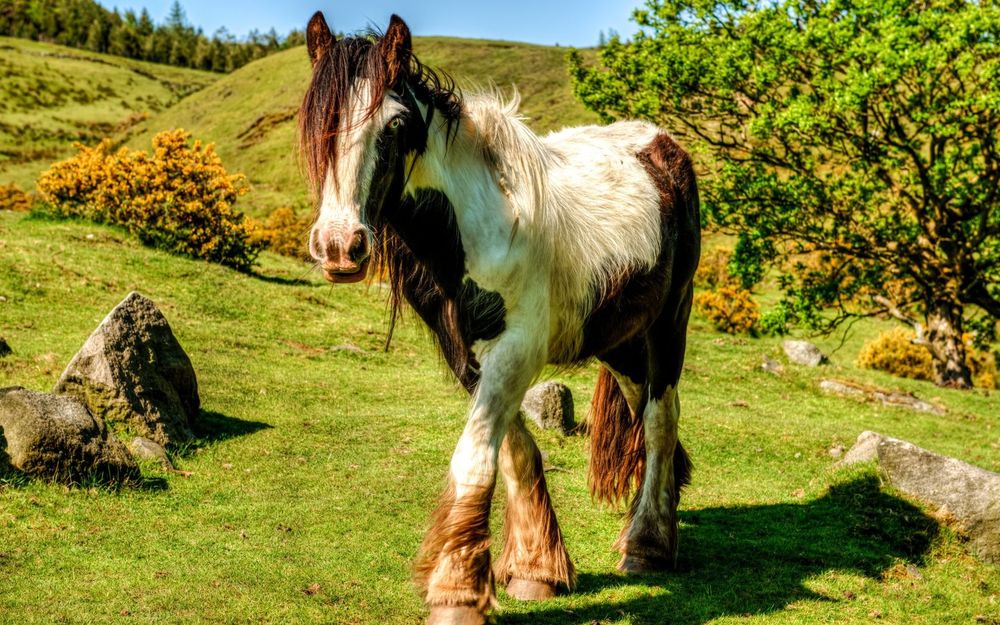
<point>803,353</point>
<point>958,490</point>
<point>550,406</point>
<point>132,371</point>
<point>55,437</point>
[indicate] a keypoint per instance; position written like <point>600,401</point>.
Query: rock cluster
<point>131,373</point>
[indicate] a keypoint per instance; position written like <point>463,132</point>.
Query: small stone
<point>740,403</point>
<point>836,451</point>
<point>772,366</point>
<point>5,349</point>
<point>849,595</point>
<point>145,449</point>
<point>550,406</point>
<point>803,353</point>
<point>347,347</point>
<point>227,466</point>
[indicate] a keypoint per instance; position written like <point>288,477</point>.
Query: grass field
<point>317,467</point>
<point>52,96</point>
<point>250,114</point>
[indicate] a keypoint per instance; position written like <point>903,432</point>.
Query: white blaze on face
<point>347,185</point>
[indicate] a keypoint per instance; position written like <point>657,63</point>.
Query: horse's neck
<point>455,164</point>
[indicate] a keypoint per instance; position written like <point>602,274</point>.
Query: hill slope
<point>321,456</point>
<point>250,114</point>
<point>51,96</point>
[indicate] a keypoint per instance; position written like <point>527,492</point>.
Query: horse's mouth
<point>346,275</point>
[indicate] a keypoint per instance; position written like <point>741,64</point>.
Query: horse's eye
<point>394,124</point>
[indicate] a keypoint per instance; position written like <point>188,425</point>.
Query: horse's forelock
<point>327,101</point>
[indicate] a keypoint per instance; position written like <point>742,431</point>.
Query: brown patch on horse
<point>533,546</point>
<point>617,443</point>
<point>319,39</point>
<point>397,48</point>
<point>460,533</point>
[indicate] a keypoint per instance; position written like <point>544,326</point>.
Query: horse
<point>517,251</point>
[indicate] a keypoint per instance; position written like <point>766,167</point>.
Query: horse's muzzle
<point>343,255</point>
<point>346,274</point>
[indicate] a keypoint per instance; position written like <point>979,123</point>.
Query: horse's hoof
<point>455,615</point>
<point>530,590</point>
<point>635,565</point>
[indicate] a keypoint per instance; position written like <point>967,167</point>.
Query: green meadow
<point>53,96</point>
<point>319,455</point>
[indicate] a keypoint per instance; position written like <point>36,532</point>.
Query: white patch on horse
<point>345,191</point>
<point>659,419</point>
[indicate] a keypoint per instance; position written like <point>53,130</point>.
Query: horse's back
<point>624,213</point>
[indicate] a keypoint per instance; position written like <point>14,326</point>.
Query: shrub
<point>12,198</point>
<point>730,308</point>
<point>179,198</point>
<point>285,233</point>
<point>894,352</point>
<point>713,269</point>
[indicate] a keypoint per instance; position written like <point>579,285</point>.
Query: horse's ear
<point>319,39</point>
<point>397,48</point>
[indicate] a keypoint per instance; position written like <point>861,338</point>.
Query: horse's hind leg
<point>534,562</point>
<point>649,539</point>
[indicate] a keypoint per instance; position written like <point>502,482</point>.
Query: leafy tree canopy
<point>850,144</point>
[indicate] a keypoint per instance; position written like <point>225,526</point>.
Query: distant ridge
<point>250,113</point>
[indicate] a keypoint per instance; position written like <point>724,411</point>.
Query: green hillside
<point>250,114</point>
<point>51,96</point>
<point>320,457</point>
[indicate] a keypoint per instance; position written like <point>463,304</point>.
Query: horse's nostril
<point>359,247</point>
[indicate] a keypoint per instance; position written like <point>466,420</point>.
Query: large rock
<point>55,437</point>
<point>550,406</point>
<point>965,493</point>
<point>133,371</point>
<point>803,353</point>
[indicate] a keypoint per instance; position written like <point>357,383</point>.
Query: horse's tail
<point>618,445</point>
<point>617,442</point>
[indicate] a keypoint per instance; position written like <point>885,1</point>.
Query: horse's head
<point>359,122</point>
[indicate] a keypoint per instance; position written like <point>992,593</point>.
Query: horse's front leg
<point>454,564</point>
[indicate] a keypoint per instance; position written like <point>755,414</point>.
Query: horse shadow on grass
<point>754,560</point>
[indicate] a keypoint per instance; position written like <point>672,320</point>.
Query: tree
<point>851,145</point>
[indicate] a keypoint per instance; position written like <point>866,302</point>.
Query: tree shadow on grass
<point>755,559</point>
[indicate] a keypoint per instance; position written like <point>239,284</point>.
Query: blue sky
<point>566,22</point>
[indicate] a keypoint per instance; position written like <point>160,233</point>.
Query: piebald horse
<point>517,251</point>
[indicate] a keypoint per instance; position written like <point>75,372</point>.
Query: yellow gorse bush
<point>179,198</point>
<point>12,198</point>
<point>894,352</point>
<point>285,232</point>
<point>730,308</point>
